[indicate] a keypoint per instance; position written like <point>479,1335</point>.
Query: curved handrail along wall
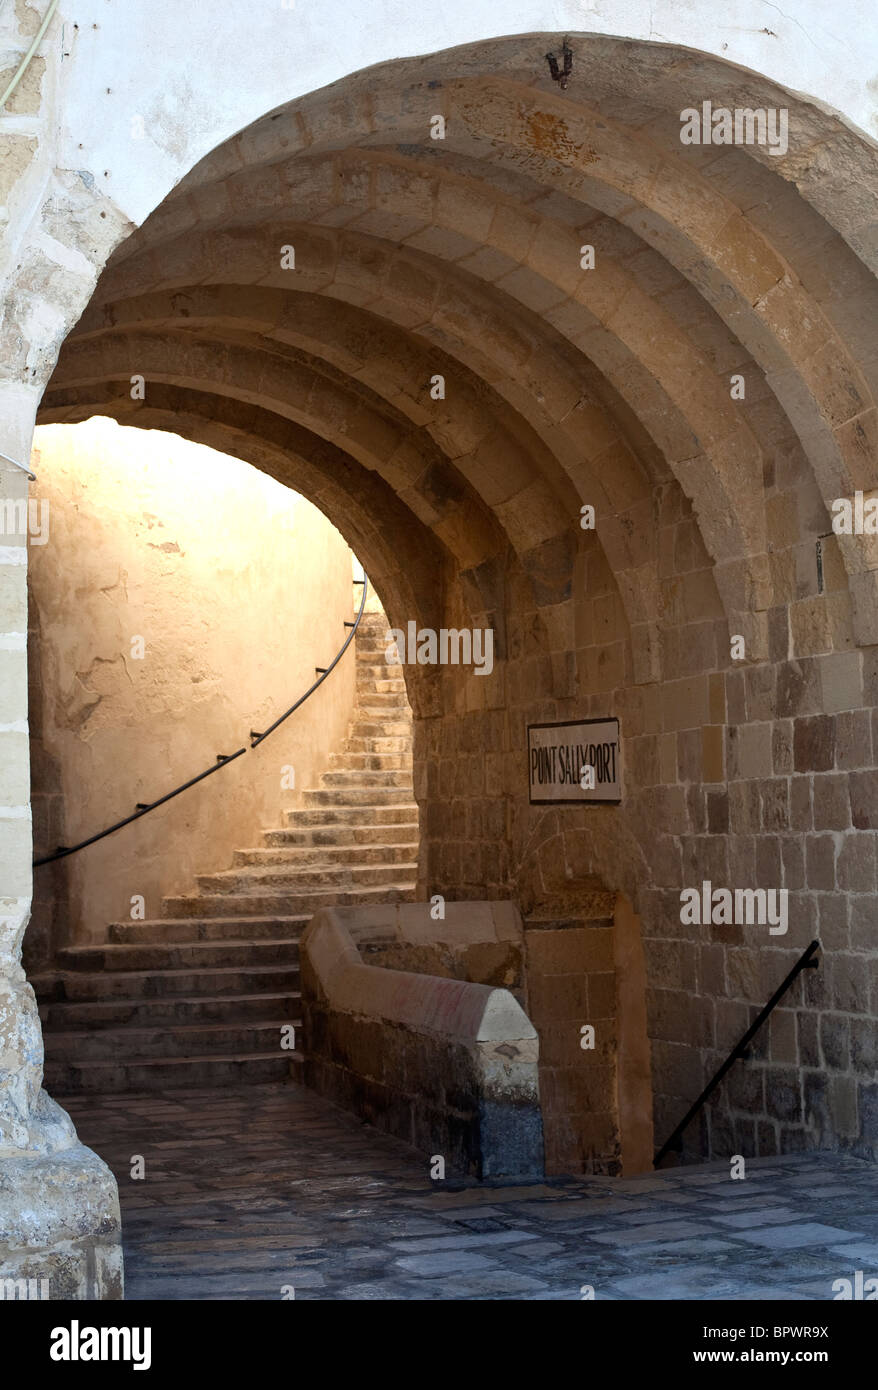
<point>222,759</point>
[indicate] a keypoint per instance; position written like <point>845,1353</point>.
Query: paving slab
<point>806,1233</point>
<point>462,1241</point>
<point>657,1230</point>
<point>762,1216</point>
<point>867,1251</point>
<point>444,1262</point>
<point>249,1190</point>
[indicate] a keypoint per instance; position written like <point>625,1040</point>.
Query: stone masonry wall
<point>748,774</point>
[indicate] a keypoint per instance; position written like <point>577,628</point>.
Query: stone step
<point>373,707</point>
<point>388,688</point>
<point>371,762</point>
<point>79,1015</point>
<point>378,744</point>
<point>385,682</point>
<point>372,668</point>
<point>219,904</point>
<point>384,706</point>
<point>374,816</point>
<point>397,713</point>
<point>165,929</point>
<point>292,878</point>
<point>359,777</point>
<point>207,955</point>
<point>368,696</point>
<point>313,856</point>
<point>198,997</point>
<point>358,795</point>
<point>72,1078</point>
<point>380,728</point>
<point>372,663</point>
<point>372,680</point>
<point>235,1036</point>
<point>341,836</point>
<point>73,985</point>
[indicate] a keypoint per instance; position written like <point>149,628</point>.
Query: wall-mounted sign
<point>577,761</point>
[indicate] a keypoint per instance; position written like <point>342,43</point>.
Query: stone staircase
<point>200,996</point>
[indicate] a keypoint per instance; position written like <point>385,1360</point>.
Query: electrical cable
<point>16,464</point>
<point>25,62</point>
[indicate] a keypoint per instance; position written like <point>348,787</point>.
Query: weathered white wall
<point>238,588</point>
<point>252,58</point>
<point>130,96</point>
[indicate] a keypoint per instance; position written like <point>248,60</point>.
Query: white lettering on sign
<point>576,762</point>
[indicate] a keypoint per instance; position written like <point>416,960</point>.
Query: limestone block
<point>746,258</point>
<point>841,681</point>
<point>21,1059</point>
<point>59,1220</point>
<point>864,596</point>
<point>16,153</point>
<point>686,703</point>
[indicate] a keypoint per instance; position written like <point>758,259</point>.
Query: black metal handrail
<point>740,1049</point>
<point>223,759</point>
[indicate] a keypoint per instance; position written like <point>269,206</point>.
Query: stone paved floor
<point>253,1189</point>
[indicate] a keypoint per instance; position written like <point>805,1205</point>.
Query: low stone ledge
<point>448,1065</point>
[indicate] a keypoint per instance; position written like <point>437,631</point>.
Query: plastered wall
<point>234,588</point>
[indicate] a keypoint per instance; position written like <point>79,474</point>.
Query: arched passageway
<point>457,306</point>
<point>559,374</point>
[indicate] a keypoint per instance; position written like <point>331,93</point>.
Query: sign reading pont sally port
<point>577,761</point>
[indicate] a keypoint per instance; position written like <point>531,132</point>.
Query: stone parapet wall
<point>447,1065</point>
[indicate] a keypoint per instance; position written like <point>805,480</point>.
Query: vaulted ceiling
<point>297,296</point>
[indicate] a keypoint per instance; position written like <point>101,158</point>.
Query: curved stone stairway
<point>201,996</point>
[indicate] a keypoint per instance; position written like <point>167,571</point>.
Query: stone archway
<point>441,369</point>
